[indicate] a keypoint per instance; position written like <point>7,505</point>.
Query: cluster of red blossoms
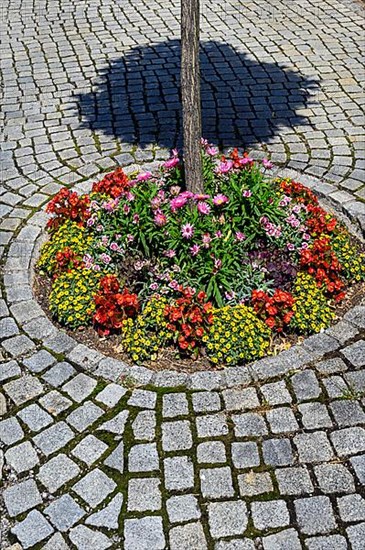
<point>68,205</point>
<point>319,221</point>
<point>67,259</point>
<point>113,305</point>
<point>114,184</point>
<point>238,161</point>
<point>275,310</point>
<point>189,318</point>
<point>321,262</point>
<point>298,191</point>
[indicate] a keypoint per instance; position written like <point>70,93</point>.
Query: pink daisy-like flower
<point>169,253</point>
<point>200,197</point>
<point>240,236</point>
<point>224,167</point>
<point>194,249</point>
<point>160,219</point>
<point>207,239</point>
<point>144,176</point>
<point>267,164</point>
<point>154,286</point>
<point>178,202</point>
<point>245,160</point>
<point>247,193</point>
<point>220,199</point>
<point>187,231</point>
<point>290,246</point>
<point>203,208</point>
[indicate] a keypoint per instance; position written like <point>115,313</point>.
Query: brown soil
<point>168,358</point>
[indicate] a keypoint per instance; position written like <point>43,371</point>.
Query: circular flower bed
<point>228,274</point>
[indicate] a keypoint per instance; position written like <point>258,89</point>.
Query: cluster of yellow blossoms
<point>68,235</point>
<point>142,337</point>
<point>71,299</point>
<point>352,262</point>
<point>312,312</point>
<point>237,335</point>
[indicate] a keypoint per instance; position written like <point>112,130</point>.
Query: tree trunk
<point>190,94</point>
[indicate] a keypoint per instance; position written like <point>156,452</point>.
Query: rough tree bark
<point>190,94</point>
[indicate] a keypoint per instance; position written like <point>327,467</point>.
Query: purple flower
<point>229,295</point>
<point>211,151</point>
<point>220,199</point>
<point>194,249</point>
<point>306,236</point>
<point>99,228</point>
<point>267,164</point>
<point>240,236</point>
<point>247,193</point>
<point>200,197</point>
<point>154,286</point>
<point>90,222</point>
<point>187,231</point>
<point>218,234</point>
<point>203,207</point>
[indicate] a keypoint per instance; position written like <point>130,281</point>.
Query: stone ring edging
<point>36,326</point>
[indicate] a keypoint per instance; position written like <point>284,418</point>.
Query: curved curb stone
<point>41,331</point>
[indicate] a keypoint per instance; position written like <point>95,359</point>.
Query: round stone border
<point>18,274</point>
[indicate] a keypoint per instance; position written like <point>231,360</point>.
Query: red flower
<point>68,205</point>
<point>114,184</point>
<point>275,310</point>
<point>113,306</point>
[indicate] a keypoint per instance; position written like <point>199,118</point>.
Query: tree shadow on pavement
<point>244,102</point>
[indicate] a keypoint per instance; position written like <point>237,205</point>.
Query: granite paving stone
<point>175,404</point>
<point>204,402</point>
<point>89,449</point>
<point>144,426</point>
<point>216,482</point>
<point>358,464</point>
<point>356,534</point>
<point>211,425</point>
<point>190,536</point>
<point>329,542</point>
<point>351,508</point>
<point>286,539</point>
<point>60,373</point>
<point>176,436</point>
<point>23,389</point>
<point>80,387</point>
<point>294,481</point>
<point>22,457</point>
<point>111,395</point>
<point>55,403</point>
<point>143,458</point>
<point>83,417</point>
<point>144,495</point>
<point>33,529</point>
<point>254,483</point>
<point>64,512</point>
<point>211,452</point>
<point>315,515</point>
<point>270,514</point>
<point>21,497</point>
<point>277,452</point>
<point>144,533</point>
<point>227,519</point>
<point>53,438</point>
<point>35,417</point>
<point>57,471</point>
<point>85,538</point>
<point>116,458</point>
<point>334,478</point>
<point>181,508</point>
<point>94,487</point>
<point>179,473</point>
<point>10,431</point>
<point>108,517</point>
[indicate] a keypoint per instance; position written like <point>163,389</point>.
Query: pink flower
<point>160,219</point>
<point>169,253</point>
<point>104,240</point>
<point>306,237</point>
<point>130,197</point>
<point>285,200</point>
<point>171,163</point>
<point>144,176</point>
<point>155,203</point>
<point>247,193</point>
<point>187,231</point>
<point>105,258</point>
<point>90,222</point>
<point>200,197</point>
<point>207,239</point>
<point>290,246</point>
<point>218,234</point>
<point>267,164</point>
<point>217,264</point>
<point>240,236</point>
<point>224,167</point>
<point>211,151</point>
<point>304,245</point>
<point>130,238</point>
<point>246,160</point>
<point>229,295</point>
<point>126,209</point>
<point>194,249</point>
<point>154,286</point>
<point>203,208</point>
<point>135,218</point>
<point>178,202</point>
<point>220,199</point>
<point>174,284</point>
<point>99,228</point>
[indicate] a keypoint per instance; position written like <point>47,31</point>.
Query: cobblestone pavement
<point>268,457</point>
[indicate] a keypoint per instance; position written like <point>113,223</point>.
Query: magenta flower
<point>154,286</point>
<point>194,249</point>
<point>90,222</point>
<point>135,218</point>
<point>169,253</point>
<point>245,160</point>
<point>130,197</point>
<point>203,208</point>
<point>267,164</point>
<point>218,234</point>
<point>160,219</point>
<point>173,161</point>
<point>105,258</point>
<point>290,246</point>
<point>200,197</point>
<point>155,203</point>
<point>211,151</point>
<point>240,236</point>
<point>220,199</point>
<point>144,176</point>
<point>126,209</point>
<point>104,240</point>
<point>178,202</point>
<point>174,284</point>
<point>247,193</point>
<point>130,238</point>
<point>224,167</point>
<point>187,231</point>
